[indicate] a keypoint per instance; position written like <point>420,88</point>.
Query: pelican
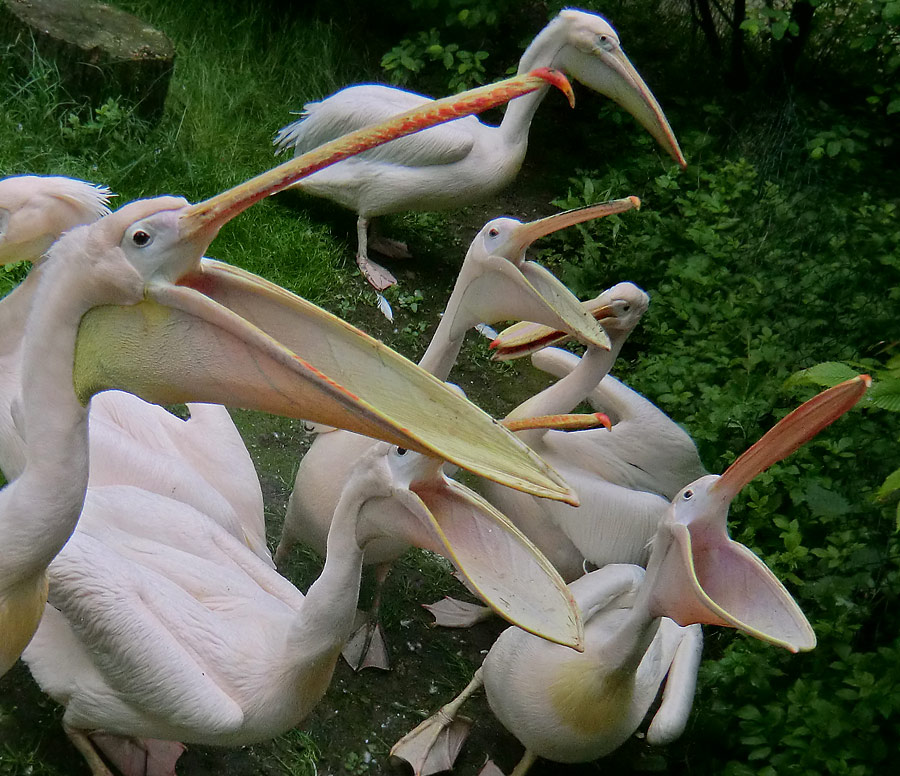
<point>202,461</point>
<point>575,707</point>
<point>495,283</point>
<point>616,518</point>
<point>110,301</point>
<point>466,161</point>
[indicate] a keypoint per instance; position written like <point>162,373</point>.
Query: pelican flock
<point>136,582</point>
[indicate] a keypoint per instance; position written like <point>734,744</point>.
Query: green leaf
<point>825,503</point>
<point>885,394</point>
<point>894,106</point>
<point>891,484</point>
<point>826,374</point>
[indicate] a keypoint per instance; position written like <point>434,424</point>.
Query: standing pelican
<point>494,284</point>
<point>571,707</point>
<point>466,161</point>
<point>131,282</point>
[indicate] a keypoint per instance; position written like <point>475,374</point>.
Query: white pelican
<point>495,283</point>
<point>616,518</point>
<point>466,161</point>
<point>201,461</point>
<point>571,707</point>
<point>132,281</point>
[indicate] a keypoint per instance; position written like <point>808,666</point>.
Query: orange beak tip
<point>636,201</point>
<point>557,79</point>
<point>603,420</point>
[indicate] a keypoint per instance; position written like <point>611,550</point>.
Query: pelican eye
<point>141,238</point>
<point>402,451</point>
<point>493,231</point>
<point>688,494</point>
<point>626,307</point>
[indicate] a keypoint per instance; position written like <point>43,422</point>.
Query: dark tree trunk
<point>737,71</point>
<point>100,51</point>
<point>791,47</point>
<point>704,16</point>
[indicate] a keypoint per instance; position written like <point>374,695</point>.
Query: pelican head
<point>705,576</point>
<point>618,311</point>
<point>594,56</point>
<point>35,210</point>
<point>497,283</point>
<point>437,513</point>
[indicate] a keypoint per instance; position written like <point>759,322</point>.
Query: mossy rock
<point>100,51</point>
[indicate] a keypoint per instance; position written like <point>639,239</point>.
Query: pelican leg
<point>366,648</point>
<point>88,751</point>
<point>433,746</point>
<point>377,276</point>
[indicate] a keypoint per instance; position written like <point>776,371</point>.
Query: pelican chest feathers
<point>463,161</point>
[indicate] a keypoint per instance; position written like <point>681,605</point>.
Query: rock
<point>100,51</point>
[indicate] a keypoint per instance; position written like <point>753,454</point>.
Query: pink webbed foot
<point>452,613</point>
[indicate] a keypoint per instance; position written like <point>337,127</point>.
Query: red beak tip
<point>604,420</point>
<point>494,344</point>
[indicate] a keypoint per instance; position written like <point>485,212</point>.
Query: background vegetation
<point>777,250</point>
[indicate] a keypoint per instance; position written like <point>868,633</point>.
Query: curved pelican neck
<point>14,312</point>
<point>543,51</point>
<point>566,394</point>
<point>46,499</point>
<point>456,320</point>
<point>326,620</point>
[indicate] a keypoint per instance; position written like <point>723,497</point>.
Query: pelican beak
<point>560,300</point>
<point>706,576</point>
<point>497,560</point>
<point>225,336</point>
<point>613,75</point>
<point>527,337</point>
<point>201,222</point>
<point>509,287</point>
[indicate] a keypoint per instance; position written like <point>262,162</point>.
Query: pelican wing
<point>361,106</point>
<point>120,613</point>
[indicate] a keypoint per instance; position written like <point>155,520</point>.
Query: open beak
<point>527,337</point>
<point>219,334</point>
<point>707,577</point>
<point>612,74</point>
<point>512,288</point>
<point>497,560</point>
<point>576,321</point>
